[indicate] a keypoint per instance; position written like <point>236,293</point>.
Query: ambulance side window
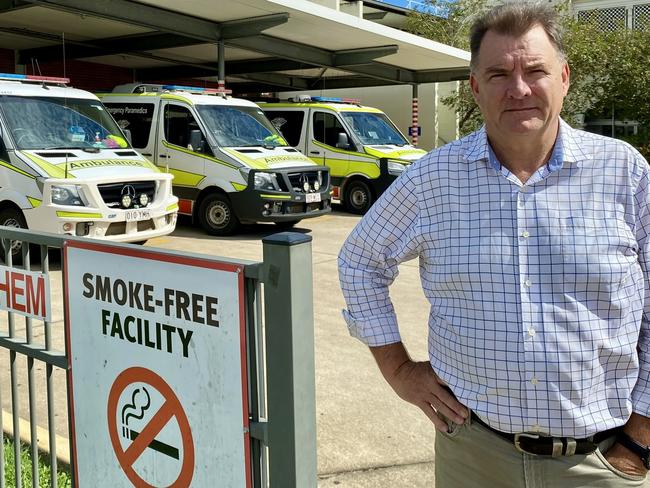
<point>289,123</point>
<point>179,124</point>
<point>136,117</point>
<point>327,128</point>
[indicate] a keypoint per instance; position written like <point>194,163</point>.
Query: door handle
<point>146,154</point>
<point>314,152</point>
<point>164,156</point>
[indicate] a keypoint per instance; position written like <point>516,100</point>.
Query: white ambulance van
<point>230,164</point>
<point>67,168</point>
<point>360,145</point>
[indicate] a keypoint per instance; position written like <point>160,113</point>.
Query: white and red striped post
<point>414,116</point>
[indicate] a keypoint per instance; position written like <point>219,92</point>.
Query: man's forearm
<point>638,428</point>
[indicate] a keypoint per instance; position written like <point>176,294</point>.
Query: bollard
<point>289,334</point>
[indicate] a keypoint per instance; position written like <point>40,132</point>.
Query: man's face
<point>519,83</point>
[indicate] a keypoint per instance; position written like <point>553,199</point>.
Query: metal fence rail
<point>280,360</point>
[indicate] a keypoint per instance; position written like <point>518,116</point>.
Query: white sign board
<point>156,347</point>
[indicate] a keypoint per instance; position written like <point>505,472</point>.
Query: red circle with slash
<point>170,409</point>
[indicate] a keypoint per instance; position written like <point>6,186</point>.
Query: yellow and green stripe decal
<point>238,186</point>
<point>35,202</point>
<point>397,154</point>
<point>173,206</point>
<point>78,215</point>
<point>17,170</point>
<point>343,151</point>
<point>185,178</point>
<point>99,163</point>
<point>198,155</point>
<point>276,197</point>
<point>51,169</point>
<point>178,98</point>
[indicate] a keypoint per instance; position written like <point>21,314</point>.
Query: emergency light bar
<point>34,78</point>
<point>198,89</point>
<point>308,98</point>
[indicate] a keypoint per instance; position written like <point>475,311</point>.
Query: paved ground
<point>367,437</point>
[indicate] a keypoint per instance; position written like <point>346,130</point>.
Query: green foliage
<point>608,69</point>
<point>63,477</point>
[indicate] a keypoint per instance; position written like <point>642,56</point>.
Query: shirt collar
<point>566,148</point>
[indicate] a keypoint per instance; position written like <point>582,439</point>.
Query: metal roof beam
<point>107,47</point>
<point>159,19</point>
<point>441,75</point>
<point>363,55</point>
<point>383,72</point>
<point>279,81</point>
<point>211,69</point>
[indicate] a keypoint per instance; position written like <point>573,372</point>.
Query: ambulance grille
<point>112,192</point>
<point>297,179</point>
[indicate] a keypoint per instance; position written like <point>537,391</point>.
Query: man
<point>533,245</point>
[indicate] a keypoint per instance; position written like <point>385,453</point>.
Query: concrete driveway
<point>367,436</point>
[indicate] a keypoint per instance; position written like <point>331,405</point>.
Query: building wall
<point>395,101</point>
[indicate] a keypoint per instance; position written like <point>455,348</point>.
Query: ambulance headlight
<point>266,181</point>
<point>67,195</point>
<point>396,169</point>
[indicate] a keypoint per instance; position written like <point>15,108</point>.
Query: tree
<point>608,69</point>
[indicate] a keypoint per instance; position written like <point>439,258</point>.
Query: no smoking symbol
<point>140,402</point>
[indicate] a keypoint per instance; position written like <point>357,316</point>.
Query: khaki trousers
<point>471,456</point>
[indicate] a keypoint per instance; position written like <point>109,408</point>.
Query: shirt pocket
<point>594,256</point>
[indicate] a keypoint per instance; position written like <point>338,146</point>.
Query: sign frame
<point>162,257</point>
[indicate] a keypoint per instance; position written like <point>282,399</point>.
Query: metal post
<point>289,333</point>
<point>221,52</point>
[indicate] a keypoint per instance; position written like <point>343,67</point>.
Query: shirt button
<point>531,332</point>
<point>528,284</point>
<point>534,380</point>
<point>525,234</point>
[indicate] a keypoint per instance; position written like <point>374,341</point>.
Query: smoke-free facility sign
<point>156,347</point>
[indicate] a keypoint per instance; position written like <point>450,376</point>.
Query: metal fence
<point>280,360</point>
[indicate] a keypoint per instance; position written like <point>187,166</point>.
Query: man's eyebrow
<point>495,70</point>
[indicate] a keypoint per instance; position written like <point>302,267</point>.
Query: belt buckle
<point>558,445</point>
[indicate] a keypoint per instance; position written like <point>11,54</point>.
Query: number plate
<point>137,214</point>
<point>312,197</point>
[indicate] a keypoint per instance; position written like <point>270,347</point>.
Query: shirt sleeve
<point>641,391</point>
<point>368,262</point>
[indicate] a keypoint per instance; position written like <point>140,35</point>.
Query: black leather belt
<point>543,445</point>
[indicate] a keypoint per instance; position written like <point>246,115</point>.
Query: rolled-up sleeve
<point>641,392</point>
<point>368,262</point>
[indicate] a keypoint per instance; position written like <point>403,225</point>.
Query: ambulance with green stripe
<point>67,168</point>
<point>362,147</point>
<point>230,164</point>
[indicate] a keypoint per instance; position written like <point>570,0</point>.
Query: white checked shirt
<point>539,292</point>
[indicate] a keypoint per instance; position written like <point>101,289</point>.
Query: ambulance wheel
<point>12,217</point>
<point>217,216</point>
<point>287,224</point>
<point>358,197</point>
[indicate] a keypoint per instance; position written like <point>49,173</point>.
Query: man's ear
<point>566,77</point>
<point>473,83</point>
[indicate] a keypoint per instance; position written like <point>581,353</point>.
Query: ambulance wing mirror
<point>196,141</point>
<point>343,142</point>
<point>127,134</point>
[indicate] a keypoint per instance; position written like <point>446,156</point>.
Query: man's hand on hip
<point>417,383</point>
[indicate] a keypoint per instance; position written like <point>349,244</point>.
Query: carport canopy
<point>268,45</point>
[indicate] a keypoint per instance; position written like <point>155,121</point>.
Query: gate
<point>279,356</point>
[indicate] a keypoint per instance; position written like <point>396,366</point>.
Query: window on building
<point>607,19</point>
<point>641,16</point>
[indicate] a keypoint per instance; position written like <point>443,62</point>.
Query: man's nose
<point>518,87</point>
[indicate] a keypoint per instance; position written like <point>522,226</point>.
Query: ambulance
<point>360,145</point>
<point>230,164</point>
<point>67,168</point>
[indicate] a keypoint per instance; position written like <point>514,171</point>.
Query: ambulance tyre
<point>13,217</point>
<point>358,197</point>
<point>217,216</point>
